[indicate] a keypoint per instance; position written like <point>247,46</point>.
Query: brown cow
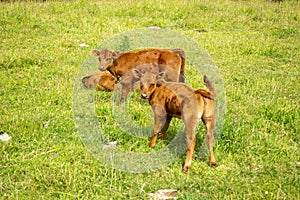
<point>100,80</point>
<point>171,99</point>
<point>170,61</point>
<point>119,63</point>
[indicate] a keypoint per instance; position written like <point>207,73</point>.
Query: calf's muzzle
<point>144,96</point>
<point>102,68</point>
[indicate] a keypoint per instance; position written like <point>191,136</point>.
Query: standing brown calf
<point>171,99</point>
<point>118,63</point>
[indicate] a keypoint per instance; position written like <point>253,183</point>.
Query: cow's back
<point>132,59</point>
<point>170,61</point>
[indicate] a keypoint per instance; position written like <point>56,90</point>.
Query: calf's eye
<point>152,85</point>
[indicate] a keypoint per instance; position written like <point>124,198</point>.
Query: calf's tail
<point>211,93</point>
<point>210,87</point>
<point>181,54</point>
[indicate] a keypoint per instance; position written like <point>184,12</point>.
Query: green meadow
<point>45,49</point>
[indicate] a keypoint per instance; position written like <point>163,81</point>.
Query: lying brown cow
<point>171,99</point>
<point>100,80</point>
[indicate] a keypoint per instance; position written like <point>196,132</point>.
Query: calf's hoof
<point>215,164</point>
<point>151,145</point>
<point>185,169</point>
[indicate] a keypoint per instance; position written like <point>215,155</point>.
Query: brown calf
<point>119,64</point>
<point>100,80</point>
<point>129,80</point>
<point>170,61</point>
<point>171,99</point>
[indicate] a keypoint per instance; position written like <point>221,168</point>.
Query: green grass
<point>254,44</point>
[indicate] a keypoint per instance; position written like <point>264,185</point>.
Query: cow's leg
<point>209,123</point>
<point>191,117</point>
<point>160,117</point>
<point>126,88</point>
<point>190,142</point>
<point>166,126</point>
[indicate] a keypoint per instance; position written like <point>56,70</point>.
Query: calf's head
<point>148,82</point>
<point>106,58</point>
<point>100,80</point>
<point>91,80</point>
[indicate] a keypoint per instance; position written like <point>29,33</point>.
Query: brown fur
<point>120,63</point>
<point>170,61</point>
<point>129,80</point>
<point>100,80</point>
<point>171,99</point>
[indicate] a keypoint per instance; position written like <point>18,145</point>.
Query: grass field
<point>254,44</point>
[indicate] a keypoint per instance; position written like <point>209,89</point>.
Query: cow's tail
<point>211,93</point>
<point>181,54</point>
<point>210,87</point>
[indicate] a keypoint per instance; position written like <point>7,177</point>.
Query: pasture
<point>44,48</point>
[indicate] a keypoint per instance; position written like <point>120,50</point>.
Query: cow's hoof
<point>215,164</point>
<point>185,169</point>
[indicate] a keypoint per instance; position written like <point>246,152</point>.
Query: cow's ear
<point>96,52</point>
<point>136,73</point>
<point>116,53</point>
<point>160,76</point>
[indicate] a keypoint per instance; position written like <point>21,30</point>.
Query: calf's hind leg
<point>190,142</point>
<point>209,123</point>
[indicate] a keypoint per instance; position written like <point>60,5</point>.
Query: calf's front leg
<point>166,126</point>
<point>160,117</point>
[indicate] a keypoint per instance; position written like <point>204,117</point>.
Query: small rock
<point>154,28</point>
<point>83,45</point>
<point>163,194</point>
<point>5,137</point>
<point>109,144</point>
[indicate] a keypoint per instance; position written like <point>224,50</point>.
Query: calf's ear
<point>96,52</point>
<point>161,75</point>
<point>136,73</point>
<point>116,53</point>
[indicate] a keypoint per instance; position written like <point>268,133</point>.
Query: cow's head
<point>148,82</point>
<point>100,80</point>
<point>106,58</point>
<point>91,80</point>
